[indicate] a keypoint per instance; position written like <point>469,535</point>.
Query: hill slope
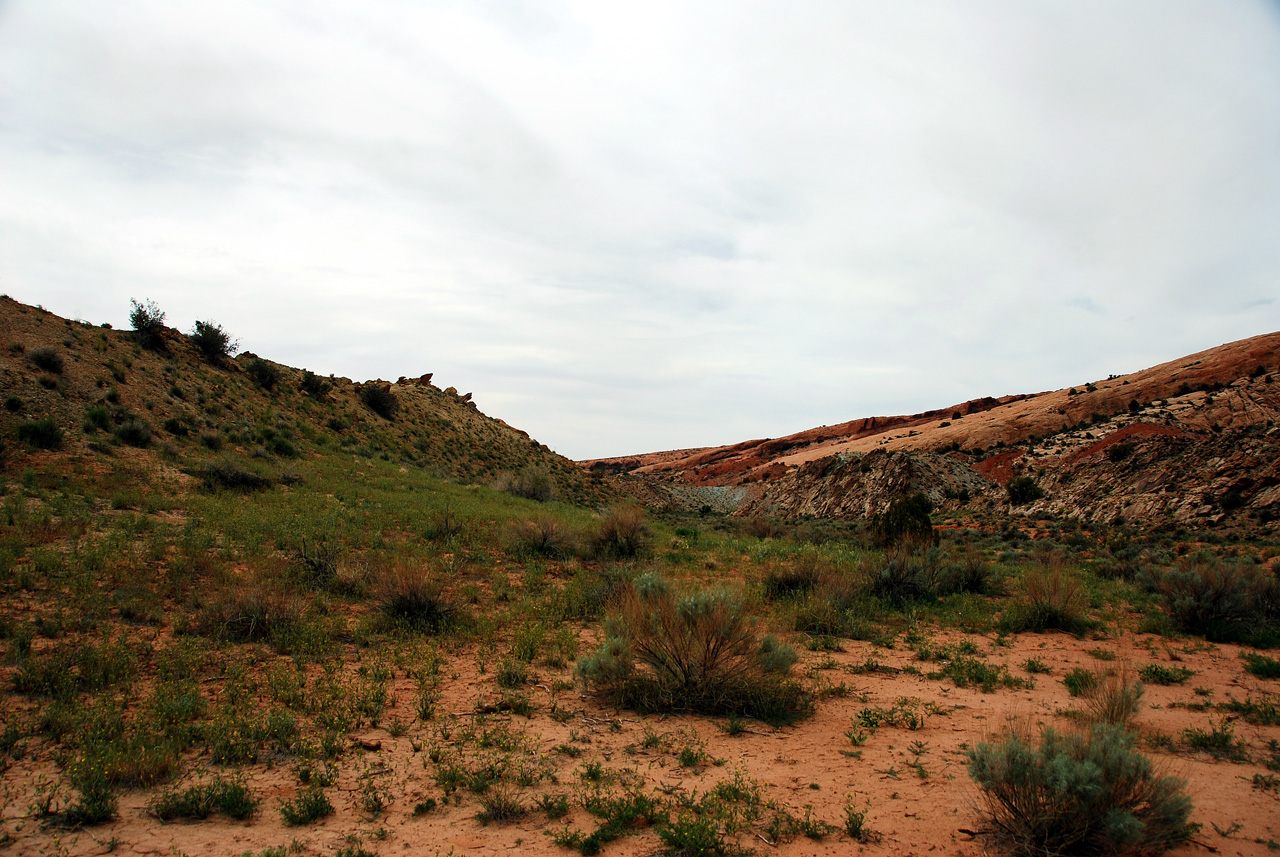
<point>105,394</point>
<point>1190,439</point>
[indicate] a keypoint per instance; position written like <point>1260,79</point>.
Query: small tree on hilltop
<point>148,323</point>
<point>380,400</point>
<point>212,341</point>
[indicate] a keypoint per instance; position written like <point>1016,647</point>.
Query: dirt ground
<point>921,799</point>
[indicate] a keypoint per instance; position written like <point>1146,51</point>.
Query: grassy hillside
<point>106,393</point>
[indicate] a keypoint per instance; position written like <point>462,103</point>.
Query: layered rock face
<point>1192,440</point>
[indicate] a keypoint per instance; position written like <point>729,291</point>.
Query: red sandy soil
<point>800,766</point>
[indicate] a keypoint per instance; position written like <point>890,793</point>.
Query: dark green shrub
<point>791,582</point>
<point>1219,741</point>
<point>42,433</point>
<point>1159,674</point>
<point>1080,681</point>
<point>905,521</point>
<point>213,343</point>
<point>310,805</point>
<point>47,359</point>
<point>621,534</point>
<point>906,577</point>
<point>1120,451</point>
<point>1261,665</point>
<point>134,431</point>
<point>148,324</point>
<point>177,426</point>
<point>230,797</point>
<point>280,445</point>
<point>96,418</point>
<point>379,399</point>
<point>12,404</point>
<point>696,651</point>
<point>1023,490</point>
<point>1215,597</point>
<point>1089,793</point>
<point>262,373</point>
<point>230,473</point>
<point>313,385</point>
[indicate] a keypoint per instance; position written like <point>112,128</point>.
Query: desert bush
<point>1023,490</point>
<point>906,521</point>
<point>249,613</point>
<point>134,431</point>
<point>587,594</point>
<point>177,426</point>
<point>697,651</point>
<point>791,582</point>
<point>761,527</point>
<point>1160,674</point>
<point>1077,794</point>
<point>412,598</point>
<point>1051,599</point>
<point>316,561</point>
<point>230,797</point>
<point>379,399</point>
<point>541,537</point>
<point>1261,665</point>
<point>309,805</point>
<point>1080,681</point>
<point>621,533</point>
<point>262,373</point>
<point>313,385</point>
<point>230,473</point>
<point>213,343</point>
<point>906,576</point>
<point>47,359</point>
<point>970,573</point>
<point>148,324</point>
<point>531,483</point>
<point>1215,597</point>
<point>42,433</point>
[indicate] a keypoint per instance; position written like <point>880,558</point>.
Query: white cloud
<point>636,227</point>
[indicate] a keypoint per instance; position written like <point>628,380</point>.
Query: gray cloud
<point>663,225</point>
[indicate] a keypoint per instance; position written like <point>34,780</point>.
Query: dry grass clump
<point>1051,599</point>
<point>249,613</point>
<point>531,483</point>
<point>413,598</point>
<point>697,651</point>
<point>542,537</point>
<point>1116,699</point>
<point>621,534</point>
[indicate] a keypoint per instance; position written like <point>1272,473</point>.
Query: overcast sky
<point>641,226</point>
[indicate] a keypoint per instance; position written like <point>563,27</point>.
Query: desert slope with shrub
<point>103,390</point>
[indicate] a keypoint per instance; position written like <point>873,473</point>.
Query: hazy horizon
<point>683,225</point>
